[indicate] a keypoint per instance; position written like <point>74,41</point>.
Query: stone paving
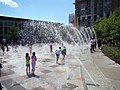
<point>96,72</point>
<point>104,72</point>
<point>48,74</point>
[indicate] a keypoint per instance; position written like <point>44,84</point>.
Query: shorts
<point>33,66</point>
<point>28,65</point>
<point>57,55</point>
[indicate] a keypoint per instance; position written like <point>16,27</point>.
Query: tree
<point>97,29</point>
<point>13,33</point>
<point>109,27</point>
<point>115,22</point>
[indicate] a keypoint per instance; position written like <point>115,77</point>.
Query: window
<point>83,20</point>
<point>89,10</point>
<point>16,24</point>
<point>83,12</point>
<point>89,20</point>
<point>1,30</point>
<point>6,30</point>
<point>5,23</point>
<point>10,23</point>
<point>95,17</point>
<point>1,23</point>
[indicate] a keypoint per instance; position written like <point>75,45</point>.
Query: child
<point>27,63</point>
<point>51,48</point>
<point>30,48</point>
<point>57,52</point>
<point>34,59</point>
<point>63,51</point>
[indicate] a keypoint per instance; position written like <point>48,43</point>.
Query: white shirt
<point>57,52</point>
<point>92,42</point>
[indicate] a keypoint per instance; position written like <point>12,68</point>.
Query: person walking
<point>34,59</point>
<point>30,48</point>
<point>95,44</point>
<point>63,52</point>
<point>51,48</point>
<point>57,52</point>
<point>92,45</point>
<point>0,68</point>
<point>27,57</point>
<point>99,43</point>
<point>3,48</point>
<point>7,47</point>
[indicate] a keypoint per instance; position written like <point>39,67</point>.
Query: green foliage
<point>13,33</point>
<point>112,52</point>
<point>109,27</point>
<point>97,26</point>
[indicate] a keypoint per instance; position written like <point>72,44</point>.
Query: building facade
<point>7,22</point>
<point>71,18</point>
<point>116,4</point>
<point>88,11</point>
<point>22,24</point>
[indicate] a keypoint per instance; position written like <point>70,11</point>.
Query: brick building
<point>88,11</point>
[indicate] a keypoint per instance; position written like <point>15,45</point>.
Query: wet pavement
<point>104,72</point>
<point>92,71</point>
<point>48,74</point>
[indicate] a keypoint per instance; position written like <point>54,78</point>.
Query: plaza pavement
<point>104,72</point>
<point>96,72</point>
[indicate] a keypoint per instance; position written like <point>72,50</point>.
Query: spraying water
<point>66,35</point>
<point>46,32</point>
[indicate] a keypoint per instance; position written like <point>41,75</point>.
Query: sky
<point>46,10</point>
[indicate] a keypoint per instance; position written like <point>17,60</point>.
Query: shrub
<point>112,52</point>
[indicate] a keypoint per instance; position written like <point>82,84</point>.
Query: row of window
<point>5,26</point>
<point>7,23</point>
<point>4,30</point>
<point>98,7</point>
<point>10,23</point>
<point>88,20</point>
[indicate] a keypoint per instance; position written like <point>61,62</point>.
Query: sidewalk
<point>105,72</point>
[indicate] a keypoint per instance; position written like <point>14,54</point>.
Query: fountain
<point>46,32</point>
<point>76,41</point>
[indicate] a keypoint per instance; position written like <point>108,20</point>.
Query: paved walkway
<point>96,72</point>
<point>104,71</point>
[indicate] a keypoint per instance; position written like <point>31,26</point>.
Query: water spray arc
<point>45,32</point>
